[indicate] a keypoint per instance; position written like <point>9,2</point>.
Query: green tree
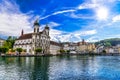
<point>3,49</point>
<point>9,43</point>
<point>68,51</point>
<point>104,51</point>
<point>12,50</point>
<point>19,50</point>
<point>62,51</point>
<point>107,44</point>
<point>38,50</point>
<point>24,50</point>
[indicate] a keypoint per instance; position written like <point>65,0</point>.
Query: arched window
<point>38,30</point>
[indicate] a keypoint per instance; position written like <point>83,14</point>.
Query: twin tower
<point>40,39</point>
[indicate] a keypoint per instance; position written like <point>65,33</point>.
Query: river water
<point>60,68</point>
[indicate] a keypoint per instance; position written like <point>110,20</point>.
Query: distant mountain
<point>112,41</point>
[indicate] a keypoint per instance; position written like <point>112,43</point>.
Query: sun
<point>102,13</point>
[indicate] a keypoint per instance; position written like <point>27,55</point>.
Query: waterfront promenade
<point>83,54</point>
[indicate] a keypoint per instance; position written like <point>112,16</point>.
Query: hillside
<point>112,41</point>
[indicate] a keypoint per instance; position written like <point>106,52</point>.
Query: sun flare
<point>102,13</point>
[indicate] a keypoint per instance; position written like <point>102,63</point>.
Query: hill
<point>112,41</point>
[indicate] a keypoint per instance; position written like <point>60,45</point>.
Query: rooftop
<point>25,36</point>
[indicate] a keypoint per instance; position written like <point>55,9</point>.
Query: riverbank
<point>82,54</point>
<point>26,55</point>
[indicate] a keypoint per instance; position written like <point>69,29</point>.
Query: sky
<point>69,20</point>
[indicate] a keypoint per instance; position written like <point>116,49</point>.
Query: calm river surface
<point>60,68</point>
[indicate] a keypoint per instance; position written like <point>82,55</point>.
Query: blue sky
<point>69,20</point>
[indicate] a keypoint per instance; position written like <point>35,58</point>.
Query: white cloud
<point>79,16</point>
<point>53,24</point>
<point>85,33</point>
<point>12,21</point>
<point>87,5</point>
<point>116,18</point>
<point>57,35</point>
<point>93,39</point>
<point>64,11</point>
<point>58,12</point>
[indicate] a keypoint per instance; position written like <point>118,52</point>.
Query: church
<point>32,41</point>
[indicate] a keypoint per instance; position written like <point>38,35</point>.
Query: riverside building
<point>37,39</point>
<point>1,42</point>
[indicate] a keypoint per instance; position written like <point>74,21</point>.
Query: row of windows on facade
<point>21,46</point>
<point>23,41</point>
<point>42,44</point>
<point>40,37</point>
<point>41,41</point>
<point>29,41</point>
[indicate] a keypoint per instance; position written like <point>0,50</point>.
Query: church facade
<point>32,41</point>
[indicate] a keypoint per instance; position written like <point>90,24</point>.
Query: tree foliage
<point>38,50</point>
<point>68,51</point>
<point>62,51</point>
<point>112,41</point>
<point>107,44</point>
<point>104,51</point>
<point>12,50</point>
<point>19,50</point>
<point>9,43</point>
<point>3,49</point>
<point>24,50</point>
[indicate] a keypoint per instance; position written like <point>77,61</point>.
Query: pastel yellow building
<point>84,47</point>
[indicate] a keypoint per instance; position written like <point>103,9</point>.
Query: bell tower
<point>35,36</point>
<point>47,29</point>
<point>22,32</point>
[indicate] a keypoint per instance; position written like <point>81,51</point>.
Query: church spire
<point>22,32</point>
<point>36,22</point>
<point>83,42</point>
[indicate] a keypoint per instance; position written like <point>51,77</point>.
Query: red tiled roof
<point>25,36</point>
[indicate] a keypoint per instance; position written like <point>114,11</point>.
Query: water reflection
<point>40,70</point>
<point>60,68</point>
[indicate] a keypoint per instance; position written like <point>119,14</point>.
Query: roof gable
<point>25,36</point>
